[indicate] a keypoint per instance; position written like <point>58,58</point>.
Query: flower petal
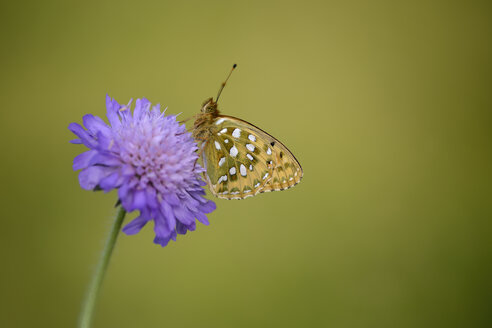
<point>141,106</point>
<point>106,159</point>
<point>198,195</point>
<point>79,131</point>
<point>183,215</point>
<point>124,112</point>
<point>81,161</point>
<point>123,191</point>
<point>172,199</point>
<point>156,110</point>
<point>208,207</point>
<point>202,218</point>
<point>151,196</point>
<point>127,170</point>
<point>162,233</point>
<point>90,177</point>
<point>95,124</point>
<point>112,108</point>
<point>106,143</point>
<point>139,200</point>
<point>183,229</point>
<point>168,214</point>
<point>135,225</point>
<point>111,181</point>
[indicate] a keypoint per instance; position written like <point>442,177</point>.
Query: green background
<point>386,104</point>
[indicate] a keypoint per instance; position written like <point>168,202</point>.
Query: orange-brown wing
<point>242,160</point>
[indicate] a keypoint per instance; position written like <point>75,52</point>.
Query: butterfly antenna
<point>224,83</point>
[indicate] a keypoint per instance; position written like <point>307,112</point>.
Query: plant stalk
<point>86,315</point>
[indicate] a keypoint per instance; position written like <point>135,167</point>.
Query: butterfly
<point>241,160</point>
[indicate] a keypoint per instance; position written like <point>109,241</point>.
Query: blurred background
<point>386,104</point>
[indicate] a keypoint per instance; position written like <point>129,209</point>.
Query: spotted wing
<point>242,160</point>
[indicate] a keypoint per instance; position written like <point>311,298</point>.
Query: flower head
<point>151,159</point>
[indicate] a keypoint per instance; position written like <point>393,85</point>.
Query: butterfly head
<point>209,106</point>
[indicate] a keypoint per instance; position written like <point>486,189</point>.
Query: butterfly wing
<point>242,160</point>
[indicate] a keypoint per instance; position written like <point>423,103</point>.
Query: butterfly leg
<point>202,147</point>
<point>187,119</point>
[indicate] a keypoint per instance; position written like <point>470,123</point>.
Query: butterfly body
<point>203,127</point>
<point>240,159</point>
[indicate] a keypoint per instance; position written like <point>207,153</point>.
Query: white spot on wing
<point>233,151</point>
<point>256,185</point>
<point>242,169</point>
<point>222,161</point>
<point>217,145</point>
<point>219,121</point>
<point>223,131</point>
<point>222,178</point>
<point>252,137</point>
<point>246,191</point>
<point>232,171</point>
<point>265,176</point>
<point>249,157</point>
<point>226,140</point>
<point>269,151</point>
<point>250,147</point>
<point>291,178</point>
<point>234,192</point>
<point>251,167</point>
<point>236,133</point>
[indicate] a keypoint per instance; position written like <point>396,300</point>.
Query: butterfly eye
<point>209,106</point>
<point>210,109</point>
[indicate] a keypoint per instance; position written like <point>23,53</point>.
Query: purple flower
<point>151,160</point>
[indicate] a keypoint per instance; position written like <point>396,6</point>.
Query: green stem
<point>93,291</point>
